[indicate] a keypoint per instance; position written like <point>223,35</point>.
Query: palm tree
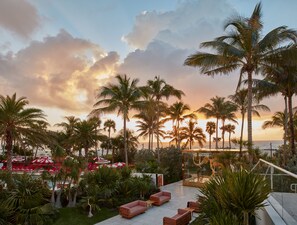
<point>214,110</point>
<point>240,99</point>
<point>122,97</point>
<point>85,135</point>
<point>278,120</point>
<point>177,112</point>
<point>68,130</point>
<point>227,113</point>
<point>230,129</point>
<point>242,48</point>
<point>173,134</point>
<point>159,89</point>
<point>192,133</point>
<point>210,129</point>
<point>109,125</point>
<point>17,122</point>
<point>281,77</point>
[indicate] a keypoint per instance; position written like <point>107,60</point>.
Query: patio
<point>180,195</point>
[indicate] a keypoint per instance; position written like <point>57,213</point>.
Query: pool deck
<point>180,195</point>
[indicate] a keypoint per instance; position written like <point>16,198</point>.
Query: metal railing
<point>283,184</point>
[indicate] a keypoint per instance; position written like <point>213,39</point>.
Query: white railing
<point>284,188</point>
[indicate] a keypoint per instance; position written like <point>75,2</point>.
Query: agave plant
<point>238,194</point>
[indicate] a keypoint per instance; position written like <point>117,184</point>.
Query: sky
<point>59,53</point>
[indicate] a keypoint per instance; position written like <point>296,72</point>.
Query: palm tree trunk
<point>230,139</point>
<point>241,135</point>
<point>223,133</point>
<point>209,141</point>
<point>178,141</point>
<point>286,121</point>
<point>217,126</point>
<point>125,140</point>
<point>291,124</point>
<point>152,141</point>
<point>249,109</point>
<point>158,138</point>
<point>8,147</point>
<point>108,142</point>
<point>149,141</point>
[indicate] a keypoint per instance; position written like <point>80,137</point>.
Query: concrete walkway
<point>180,195</point>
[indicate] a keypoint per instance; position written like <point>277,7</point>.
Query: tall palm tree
<point>279,120</point>
<point>227,113</point>
<point>230,129</point>
<point>120,97</point>
<point>159,89</point>
<point>243,47</point>
<point>68,130</point>
<point>16,122</point>
<point>85,135</point>
<point>210,129</point>
<point>240,99</point>
<point>281,77</point>
<point>215,110</point>
<point>109,125</point>
<point>192,133</point>
<point>178,112</point>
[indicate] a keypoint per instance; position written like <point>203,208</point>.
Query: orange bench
<point>160,197</point>
<point>182,217</point>
<point>132,209</point>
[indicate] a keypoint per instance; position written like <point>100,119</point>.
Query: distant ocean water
<point>264,144</point>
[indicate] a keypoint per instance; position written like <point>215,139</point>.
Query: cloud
<point>185,27</point>
<point>19,17</point>
<point>60,71</point>
<point>165,40</point>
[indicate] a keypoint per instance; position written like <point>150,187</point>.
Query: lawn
<point>76,216</point>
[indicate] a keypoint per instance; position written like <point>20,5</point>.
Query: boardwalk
<point>179,197</point>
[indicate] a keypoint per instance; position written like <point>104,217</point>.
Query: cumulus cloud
<point>190,23</point>
<point>165,40</point>
<point>19,17</point>
<point>171,37</point>
<point>60,71</point>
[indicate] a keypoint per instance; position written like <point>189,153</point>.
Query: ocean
<point>262,145</point>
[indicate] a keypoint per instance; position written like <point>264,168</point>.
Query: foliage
<point>171,163</point>
<point>237,194</point>
<point>146,162</point>
<point>26,203</point>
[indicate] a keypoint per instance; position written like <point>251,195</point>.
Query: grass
<point>77,216</point>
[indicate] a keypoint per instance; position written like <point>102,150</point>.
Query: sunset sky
<point>58,53</point>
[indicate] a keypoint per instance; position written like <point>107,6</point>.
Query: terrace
<point>180,195</point>
<point>280,207</point>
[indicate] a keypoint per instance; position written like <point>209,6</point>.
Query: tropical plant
<point>216,109</point>
<point>85,135</point>
<point>28,201</point>
<point>243,47</point>
<point>230,129</point>
<point>191,133</point>
<point>17,122</point>
<point>281,77</point>
<point>227,113</point>
<point>122,97</point>
<point>240,99</point>
<point>178,112</point>
<point>210,129</point>
<point>67,132</point>
<point>238,193</point>
<point>159,89</point>
<point>277,120</point>
<point>109,125</point>
<point>148,123</point>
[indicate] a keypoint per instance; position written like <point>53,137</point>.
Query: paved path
<point>180,195</point>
